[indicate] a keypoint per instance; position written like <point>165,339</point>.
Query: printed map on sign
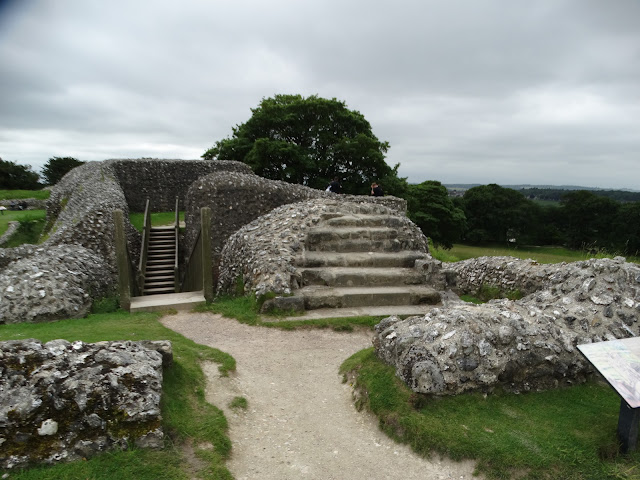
<point>619,363</point>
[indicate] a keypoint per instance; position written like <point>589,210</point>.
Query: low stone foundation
<point>52,283</point>
<point>528,344</point>
<point>65,401</point>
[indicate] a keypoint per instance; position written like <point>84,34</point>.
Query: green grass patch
<point>540,254</point>
<point>31,226</point>
<point>566,433</point>
<point>157,219</point>
<point>22,194</point>
<point>245,309</point>
<point>239,403</point>
<point>185,412</point>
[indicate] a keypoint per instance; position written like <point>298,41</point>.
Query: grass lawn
<point>32,222</point>
<point>157,219</point>
<point>567,433</point>
<point>186,414</point>
<point>540,254</point>
<point>21,194</point>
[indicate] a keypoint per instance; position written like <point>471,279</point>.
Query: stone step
<point>359,276</point>
<point>323,234</point>
<point>169,301</point>
<point>357,245</point>
<point>356,220</point>
<point>403,259</point>
<point>350,297</point>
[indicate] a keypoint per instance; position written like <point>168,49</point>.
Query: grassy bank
<point>31,226</point>
<point>540,254</point>
<point>567,433</point>
<point>246,310</point>
<point>22,194</point>
<point>187,417</point>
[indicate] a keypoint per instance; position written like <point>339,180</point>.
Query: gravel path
<point>300,422</point>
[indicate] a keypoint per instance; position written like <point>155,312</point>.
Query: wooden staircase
<point>160,275</point>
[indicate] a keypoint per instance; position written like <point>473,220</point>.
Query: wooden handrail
<point>144,247</point>
<point>176,267</point>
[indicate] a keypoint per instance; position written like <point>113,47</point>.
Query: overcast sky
<point>465,91</point>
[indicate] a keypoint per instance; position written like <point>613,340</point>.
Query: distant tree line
<point>14,176</point>
<point>582,220</point>
<point>556,194</point>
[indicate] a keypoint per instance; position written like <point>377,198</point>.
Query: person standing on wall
<point>335,186</point>
<point>376,190</point>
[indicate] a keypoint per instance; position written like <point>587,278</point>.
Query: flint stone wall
<point>31,203</point>
<point>65,401</point>
<point>529,344</point>
<point>236,199</point>
<point>262,253</point>
<point>164,180</point>
<point>52,283</point>
<point>80,214</point>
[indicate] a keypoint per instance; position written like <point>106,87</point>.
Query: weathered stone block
<point>63,401</point>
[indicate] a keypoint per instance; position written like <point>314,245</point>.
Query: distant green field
<point>540,254</point>
<point>20,194</point>
<point>157,219</point>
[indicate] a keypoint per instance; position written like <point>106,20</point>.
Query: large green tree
<point>308,141</point>
<point>431,208</point>
<point>57,167</point>
<point>496,214</point>
<point>588,219</point>
<point>17,177</point>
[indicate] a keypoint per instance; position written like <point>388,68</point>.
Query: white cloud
<point>464,91</point>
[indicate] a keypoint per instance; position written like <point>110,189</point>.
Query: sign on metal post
<point>619,363</point>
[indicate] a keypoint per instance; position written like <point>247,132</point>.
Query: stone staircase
<point>361,260</point>
<point>159,273</point>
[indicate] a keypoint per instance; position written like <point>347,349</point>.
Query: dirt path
<point>300,421</point>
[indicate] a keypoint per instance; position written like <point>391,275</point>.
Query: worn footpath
<point>300,421</point>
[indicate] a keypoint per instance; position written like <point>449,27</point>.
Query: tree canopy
<point>18,177</point>
<point>57,167</point>
<point>308,141</point>
<point>430,207</point>
<point>496,214</point>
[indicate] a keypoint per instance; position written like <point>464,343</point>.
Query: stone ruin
<point>76,264</point>
<point>63,401</point>
<point>528,344</point>
<point>262,253</point>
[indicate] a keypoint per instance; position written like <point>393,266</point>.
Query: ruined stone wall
<point>164,180</point>
<point>80,211</point>
<point>262,253</point>
<point>80,219</point>
<point>236,199</point>
<point>65,401</point>
<point>52,283</point>
<point>528,344</point>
